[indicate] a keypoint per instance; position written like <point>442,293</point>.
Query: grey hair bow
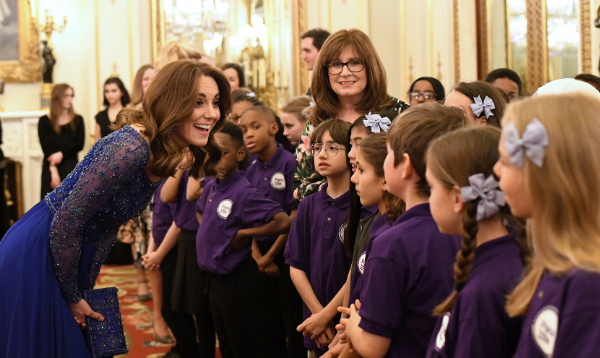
<point>485,189</point>
<point>533,143</point>
<point>487,105</point>
<point>376,122</point>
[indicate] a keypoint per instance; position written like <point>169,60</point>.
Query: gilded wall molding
<point>456,22</point>
<point>130,31</point>
<point>299,18</point>
<point>483,37</point>
<point>97,43</point>
<point>404,84</point>
<point>430,23</point>
<point>586,36</point>
<point>537,64</point>
<point>27,68</point>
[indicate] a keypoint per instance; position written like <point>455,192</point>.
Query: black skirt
<point>189,293</point>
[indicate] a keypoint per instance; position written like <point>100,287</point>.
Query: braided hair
<point>452,159</point>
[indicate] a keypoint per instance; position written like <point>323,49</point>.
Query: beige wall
<point>75,52</point>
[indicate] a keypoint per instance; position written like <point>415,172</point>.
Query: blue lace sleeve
<point>110,164</point>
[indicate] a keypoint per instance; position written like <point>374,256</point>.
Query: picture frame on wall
<point>19,43</point>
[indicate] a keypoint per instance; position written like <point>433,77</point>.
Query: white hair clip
<point>376,122</point>
<point>251,94</point>
<point>311,104</point>
<point>486,190</point>
<point>486,105</point>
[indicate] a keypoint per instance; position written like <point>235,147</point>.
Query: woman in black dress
<point>116,98</point>
<point>62,135</point>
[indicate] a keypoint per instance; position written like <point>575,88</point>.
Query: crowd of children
<point>416,243</point>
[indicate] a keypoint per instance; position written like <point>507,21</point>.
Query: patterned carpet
<point>137,316</point>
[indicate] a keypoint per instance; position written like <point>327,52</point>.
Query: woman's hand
<point>54,177</point>
<point>56,158</point>
<point>81,310</point>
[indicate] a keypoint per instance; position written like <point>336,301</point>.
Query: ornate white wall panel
<point>21,143</point>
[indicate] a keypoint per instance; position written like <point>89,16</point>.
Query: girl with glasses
<point>315,248</point>
<point>426,89</point>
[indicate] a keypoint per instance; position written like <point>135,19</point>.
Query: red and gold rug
<point>137,316</point>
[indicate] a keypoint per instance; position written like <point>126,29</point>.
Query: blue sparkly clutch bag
<point>106,338</point>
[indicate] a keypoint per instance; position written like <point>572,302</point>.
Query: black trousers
<point>285,305</point>
<point>190,294</point>
<point>238,308</point>
<point>181,324</point>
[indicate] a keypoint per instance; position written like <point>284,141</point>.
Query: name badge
<point>361,262</point>
<point>342,231</point>
<point>544,329</point>
<point>440,341</point>
<point>224,208</point>
<point>278,181</point>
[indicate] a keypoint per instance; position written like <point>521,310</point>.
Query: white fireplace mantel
<point>20,142</point>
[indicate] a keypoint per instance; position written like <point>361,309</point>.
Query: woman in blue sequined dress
<point>54,252</point>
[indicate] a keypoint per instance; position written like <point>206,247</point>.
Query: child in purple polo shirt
<point>189,293</point>
<point>272,173</point>
<point>315,250</point>
<point>465,200</point>
<point>231,212</point>
<point>549,169</point>
<point>408,269</point>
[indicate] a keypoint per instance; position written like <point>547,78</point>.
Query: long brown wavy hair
<point>375,95</point>
<point>169,101</point>
<point>56,106</point>
<point>137,92</point>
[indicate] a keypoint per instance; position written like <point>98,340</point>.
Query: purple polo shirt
<point>273,179</point>
<point>185,214</point>
<point>315,246</point>
<point>563,319</point>
<point>378,226</point>
<point>162,217</point>
<point>478,325</point>
<point>226,208</point>
<point>409,270</point>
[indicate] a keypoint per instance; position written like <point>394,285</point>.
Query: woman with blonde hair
<point>173,51</point>
<point>549,170</point>
<point>142,80</point>
<point>62,136</point>
<point>348,81</point>
<point>55,251</point>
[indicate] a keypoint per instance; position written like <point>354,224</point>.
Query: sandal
<point>145,297</point>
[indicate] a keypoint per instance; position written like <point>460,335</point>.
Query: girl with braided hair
<point>465,200</point>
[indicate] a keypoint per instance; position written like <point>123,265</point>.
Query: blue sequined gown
<point>54,252</point>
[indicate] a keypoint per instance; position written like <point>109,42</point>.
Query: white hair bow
<point>487,105</point>
<point>376,122</point>
<point>484,189</point>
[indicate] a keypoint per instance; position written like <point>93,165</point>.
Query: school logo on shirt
<point>545,328</point>
<point>342,231</point>
<point>278,181</point>
<point>440,341</point>
<point>361,262</point>
<point>224,208</point>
